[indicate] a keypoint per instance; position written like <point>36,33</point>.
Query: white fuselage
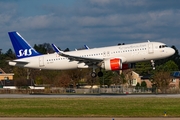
<point>129,53</point>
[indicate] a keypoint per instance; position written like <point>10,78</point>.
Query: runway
<point>85,95</point>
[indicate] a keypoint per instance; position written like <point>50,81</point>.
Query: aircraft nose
<point>171,51</point>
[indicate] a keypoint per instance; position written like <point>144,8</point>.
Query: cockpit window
<point>162,46</point>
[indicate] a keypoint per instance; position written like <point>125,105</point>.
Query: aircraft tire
<point>100,74</point>
<point>93,74</point>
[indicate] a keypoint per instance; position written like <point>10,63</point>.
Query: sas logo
<point>26,52</point>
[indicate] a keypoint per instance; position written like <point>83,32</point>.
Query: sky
<point>96,23</point>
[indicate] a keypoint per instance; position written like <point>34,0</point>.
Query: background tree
<point>106,79</point>
<point>3,62</point>
<point>162,75</point>
<point>19,83</point>
<point>143,68</point>
<point>20,73</point>
<point>20,76</point>
<point>116,78</point>
<point>170,66</point>
<point>62,80</point>
<point>162,80</point>
<point>44,48</point>
<point>123,80</point>
<point>4,58</point>
<point>66,50</point>
<point>10,55</point>
<point>138,85</point>
<point>76,75</point>
<point>92,81</point>
<point>143,84</point>
<point>176,57</point>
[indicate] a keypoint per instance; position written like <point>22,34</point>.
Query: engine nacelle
<point>112,64</point>
<point>115,64</point>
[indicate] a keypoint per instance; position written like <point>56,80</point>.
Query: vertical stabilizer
<point>21,46</point>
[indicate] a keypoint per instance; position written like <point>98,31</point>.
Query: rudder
<point>21,46</point>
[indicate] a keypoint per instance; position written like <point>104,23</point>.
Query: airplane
<point>112,58</point>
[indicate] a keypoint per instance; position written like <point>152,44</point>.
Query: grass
<point>90,107</point>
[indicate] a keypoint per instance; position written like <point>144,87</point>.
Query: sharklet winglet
<point>56,49</point>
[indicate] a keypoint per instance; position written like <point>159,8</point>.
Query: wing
<point>87,61</point>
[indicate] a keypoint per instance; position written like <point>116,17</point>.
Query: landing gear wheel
<point>153,64</point>
<point>100,74</point>
<point>93,74</point>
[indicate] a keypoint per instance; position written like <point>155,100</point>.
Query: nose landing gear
<point>153,64</point>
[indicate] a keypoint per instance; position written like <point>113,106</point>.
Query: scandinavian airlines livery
<point>109,58</point>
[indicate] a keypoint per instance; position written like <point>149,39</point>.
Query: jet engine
<point>114,64</point>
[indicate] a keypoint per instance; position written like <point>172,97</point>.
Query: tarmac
<point>88,95</point>
<point>51,118</point>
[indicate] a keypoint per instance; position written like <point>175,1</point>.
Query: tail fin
<point>21,47</point>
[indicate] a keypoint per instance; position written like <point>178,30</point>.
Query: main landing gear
<point>100,74</point>
<point>94,74</point>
